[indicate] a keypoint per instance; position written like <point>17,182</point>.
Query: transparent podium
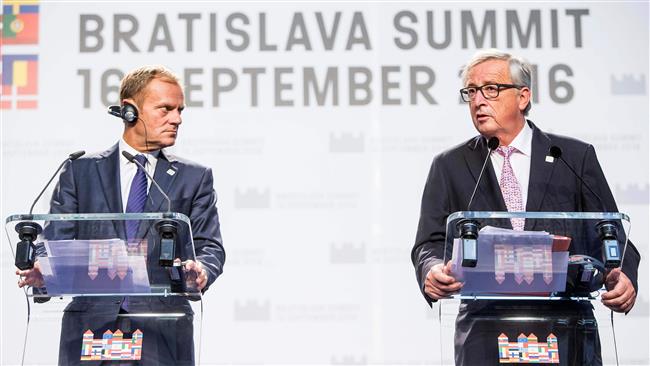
<point>102,299</point>
<point>530,296</point>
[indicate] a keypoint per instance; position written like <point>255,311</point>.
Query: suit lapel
<point>488,190</point>
<point>540,172</point>
<point>109,175</point>
<point>165,175</point>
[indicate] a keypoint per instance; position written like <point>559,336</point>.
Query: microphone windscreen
<point>493,143</point>
<point>76,155</point>
<point>128,156</point>
<point>555,152</point>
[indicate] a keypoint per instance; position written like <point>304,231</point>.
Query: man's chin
<point>168,143</point>
<point>486,128</point>
<point>162,144</point>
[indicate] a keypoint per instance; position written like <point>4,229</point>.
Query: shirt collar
<point>524,140</point>
<point>124,146</point>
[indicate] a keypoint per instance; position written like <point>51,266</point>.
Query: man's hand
<point>620,295</point>
<point>439,282</point>
<point>31,277</point>
<point>201,273</point>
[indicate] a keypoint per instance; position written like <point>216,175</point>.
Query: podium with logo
<point>102,299</point>
<point>530,296</point>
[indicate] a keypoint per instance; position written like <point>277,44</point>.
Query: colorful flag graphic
<point>19,81</point>
<point>19,22</point>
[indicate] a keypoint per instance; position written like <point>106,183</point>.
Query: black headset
<point>127,112</point>
<point>585,275</point>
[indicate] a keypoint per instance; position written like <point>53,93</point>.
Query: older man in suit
<point>151,104</point>
<point>497,87</point>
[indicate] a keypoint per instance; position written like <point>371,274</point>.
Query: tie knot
<point>506,151</point>
<point>141,159</point>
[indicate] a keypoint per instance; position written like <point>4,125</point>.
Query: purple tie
<point>135,204</point>
<point>137,198</point>
<point>510,186</point>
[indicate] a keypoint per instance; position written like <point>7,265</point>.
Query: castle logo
<point>252,198</point>
<point>112,346</point>
<point>527,350</point>
<point>628,84</point>
<point>347,253</point>
<point>253,310</point>
<point>346,143</point>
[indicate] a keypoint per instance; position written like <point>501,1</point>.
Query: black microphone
<point>71,157</point>
<point>469,228</point>
<point>493,143</point>
<point>556,153</point>
<point>606,229</point>
<point>131,158</point>
<point>28,231</point>
<point>167,229</point>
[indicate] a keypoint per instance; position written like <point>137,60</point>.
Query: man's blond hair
<point>134,84</point>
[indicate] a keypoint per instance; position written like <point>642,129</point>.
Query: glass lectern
<point>104,299</point>
<point>530,296</point>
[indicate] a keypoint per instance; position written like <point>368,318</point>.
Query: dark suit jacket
<point>552,187</point>
<point>91,184</point>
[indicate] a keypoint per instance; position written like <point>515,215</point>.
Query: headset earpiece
<point>127,112</point>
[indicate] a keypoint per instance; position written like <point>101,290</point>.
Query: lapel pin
<point>172,171</point>
<point>549,159</point>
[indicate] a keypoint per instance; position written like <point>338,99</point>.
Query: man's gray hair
<point>520,69</point>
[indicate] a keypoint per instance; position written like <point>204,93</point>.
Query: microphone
<point>606,229</point>
<point>28,231</point>
<point>469,228</point>
<point>167,229</point>
<point>71,157</point>
<point>493,143</point>
<point>131,158</point>
<point>556,152</point>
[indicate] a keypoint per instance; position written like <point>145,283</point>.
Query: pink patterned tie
<point>510,186</point>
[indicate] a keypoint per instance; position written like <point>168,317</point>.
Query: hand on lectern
<point>440,283</point>
<point>199,271</point>
<point>31,277</point>
<point>620,295</point>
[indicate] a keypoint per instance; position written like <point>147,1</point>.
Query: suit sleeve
<point>206,229</point>
<point>64,201</point>
<point>593,175</point>
<point>430,238</point>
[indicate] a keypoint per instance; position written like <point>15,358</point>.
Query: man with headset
<point>151,104</point>
<point>497,88</point>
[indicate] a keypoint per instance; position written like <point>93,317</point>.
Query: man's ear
<point>131,102</point>
<point>129,111</point>
<point>524,98</point>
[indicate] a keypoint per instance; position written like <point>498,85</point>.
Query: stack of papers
<point>92,267</point>
<point>514,262</point>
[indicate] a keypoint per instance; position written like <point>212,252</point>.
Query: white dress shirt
<point>128,169</point>
<point>520,160</point>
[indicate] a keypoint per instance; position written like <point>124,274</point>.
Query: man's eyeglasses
<point>489,91</point>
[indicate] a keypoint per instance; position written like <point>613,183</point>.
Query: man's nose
<point>478,99</point>
<point>176,118</point>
